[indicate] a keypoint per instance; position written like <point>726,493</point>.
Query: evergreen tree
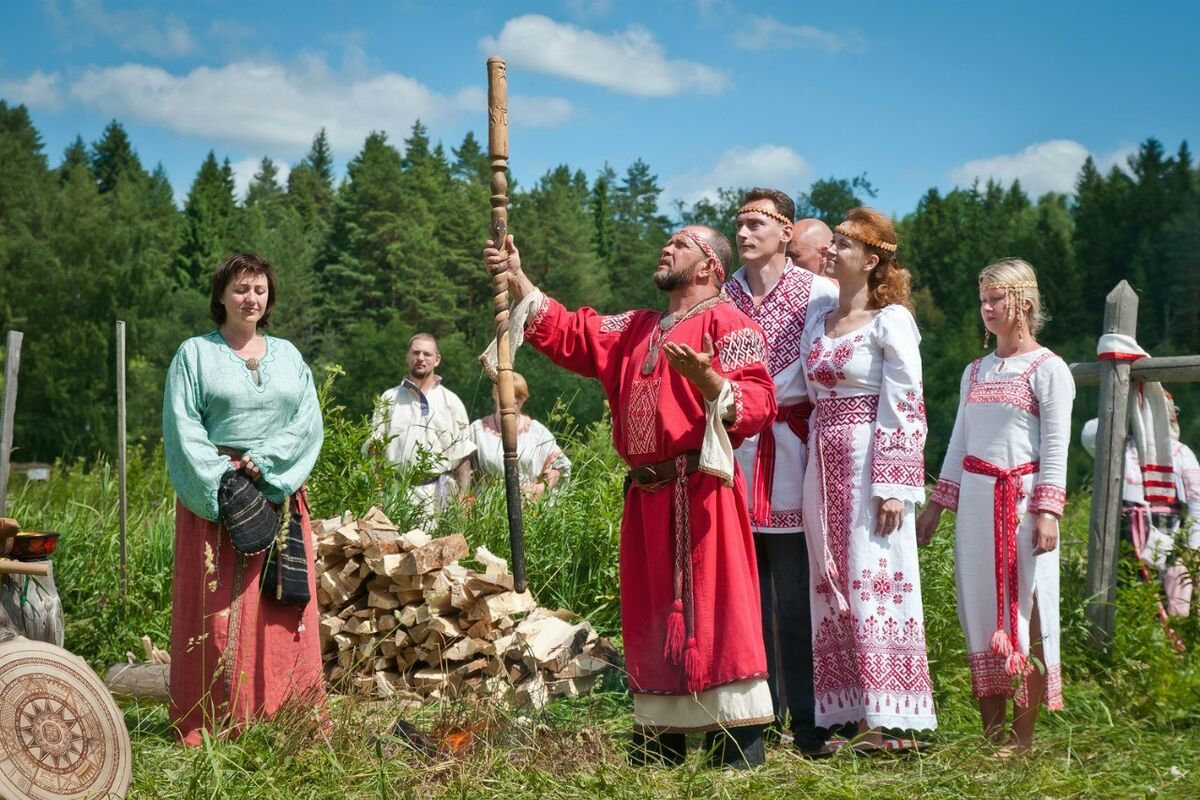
<point>208,215</point>
<point>113,157</point>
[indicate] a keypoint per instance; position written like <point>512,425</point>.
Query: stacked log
<point>401,618</point>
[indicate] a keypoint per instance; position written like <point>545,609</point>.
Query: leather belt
<point>663,471</point>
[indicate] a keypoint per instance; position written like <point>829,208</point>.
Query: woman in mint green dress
<point>238,399</point>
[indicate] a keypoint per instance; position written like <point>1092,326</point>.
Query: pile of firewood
<point>401,618</point>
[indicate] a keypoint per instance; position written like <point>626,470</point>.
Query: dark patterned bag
<point>250,520</point>
<point>288,552</point>
<point>254,525</point>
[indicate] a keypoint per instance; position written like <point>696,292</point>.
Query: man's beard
<point>673,280</point>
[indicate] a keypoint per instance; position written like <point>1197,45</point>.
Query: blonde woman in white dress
<point>541,462</point>
<point>1005,476</point>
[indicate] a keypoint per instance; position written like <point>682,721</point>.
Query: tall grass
<point>1131,724</point>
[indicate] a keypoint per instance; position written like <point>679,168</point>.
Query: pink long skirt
<point>237,656</point>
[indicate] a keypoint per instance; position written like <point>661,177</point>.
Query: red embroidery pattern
<point>826,367</point>
<point>882,586</point>
<point>781,315</point>
<point>945,494</point>
<point>785,518</point>
<point>640,416</point>
<point>739,408</point>
<point>898,457</point>
<point>880,664</point>
<point>834,424</point>
<point>989,678</point>
<point>1047,498</point>
<point>532,325</point>
<point>740,348</point>
<point>1013,391</point>
<point>615,323</point>
<point>912,407</point>
<point>855,409</point>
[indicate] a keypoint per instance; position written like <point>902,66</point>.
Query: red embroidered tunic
<point>658,415</point>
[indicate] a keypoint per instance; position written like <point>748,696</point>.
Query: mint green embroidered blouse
<point>211,399</point>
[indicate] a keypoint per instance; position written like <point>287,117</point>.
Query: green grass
<point>1131,727</point>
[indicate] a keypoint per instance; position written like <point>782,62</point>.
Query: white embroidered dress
<point>1012,412</point>
<point>867,443</point>
<point>782,314</point>
<point>537,450</point>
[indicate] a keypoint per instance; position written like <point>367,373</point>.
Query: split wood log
<point>141,681</point>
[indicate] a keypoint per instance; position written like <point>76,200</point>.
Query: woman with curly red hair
<point>866,474</point>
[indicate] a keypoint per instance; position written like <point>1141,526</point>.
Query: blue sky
<point>709,93</point>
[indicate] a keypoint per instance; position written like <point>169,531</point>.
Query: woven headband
<point>775,215</point>
<point>1008,285</point>
<point>708,251</point>
<point>867,240</point>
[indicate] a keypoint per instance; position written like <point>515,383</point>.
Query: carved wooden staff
<point>498,153</point>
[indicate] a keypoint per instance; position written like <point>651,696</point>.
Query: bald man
<point>809,238</point>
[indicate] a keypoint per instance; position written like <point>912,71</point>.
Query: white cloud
<point>39,90</point>
<point>279,107</point>
<point>766,165</point>
<point>630,62</point>
<point>142,31</point>
<point>765,33</point>
<point>244,170</point>
<point>1041,167</point>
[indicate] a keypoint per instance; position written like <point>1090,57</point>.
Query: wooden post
<point>122,465</point>
<point>12,364</point>
<point>1120,316</point>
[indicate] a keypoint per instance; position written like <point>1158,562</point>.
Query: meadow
<point>1131,727</point>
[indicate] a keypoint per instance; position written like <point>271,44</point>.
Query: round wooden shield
<point>61,734</point>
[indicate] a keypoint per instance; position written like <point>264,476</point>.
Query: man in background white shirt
<point>426,429</point>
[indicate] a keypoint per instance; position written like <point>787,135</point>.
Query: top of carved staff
<point>497,108</point>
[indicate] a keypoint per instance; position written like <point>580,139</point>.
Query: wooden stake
<point>498,153</point>
<point>1120,316</point>
<point>122,465</point>
<point>12,365</point>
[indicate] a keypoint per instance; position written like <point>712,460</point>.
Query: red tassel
<point>1016,663</point>
<point>1001,644</point>
<point>691,666</point>
<point>673,648</point>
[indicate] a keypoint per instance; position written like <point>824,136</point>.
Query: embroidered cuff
<point>945,494</point>
<point>1049,498</point>
<point>898,458</point>
<point>739,410</point>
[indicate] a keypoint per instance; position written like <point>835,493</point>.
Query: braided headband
<point>1018,285</point>
<point>749,209</point>
<point>708,251</point>
<point>868,240</point>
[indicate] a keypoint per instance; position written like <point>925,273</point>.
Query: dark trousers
<point>787,632</point>
<point>739,748</point>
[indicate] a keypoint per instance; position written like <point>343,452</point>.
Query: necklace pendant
<point>666,322</point>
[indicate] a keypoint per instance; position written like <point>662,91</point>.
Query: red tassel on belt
<point>1006,520</point>
<point>795,417</point>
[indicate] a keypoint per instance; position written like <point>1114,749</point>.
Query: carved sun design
<point>52,733</point>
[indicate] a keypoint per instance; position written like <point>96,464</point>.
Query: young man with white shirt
<point>779,294</point>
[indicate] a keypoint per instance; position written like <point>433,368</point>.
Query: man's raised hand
<point>696,367</point>
<point>507,259</point>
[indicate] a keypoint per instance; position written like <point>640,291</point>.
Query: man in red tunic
<point>685,386</point>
